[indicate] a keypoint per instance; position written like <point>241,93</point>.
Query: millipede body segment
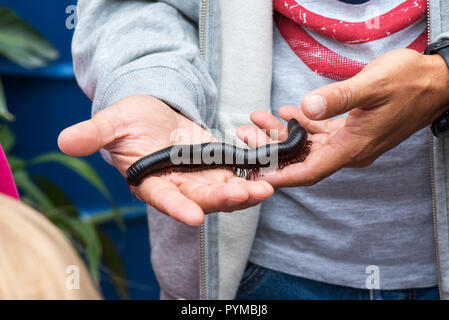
<point>244,162</point>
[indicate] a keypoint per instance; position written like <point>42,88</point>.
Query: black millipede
<point>243,162</point>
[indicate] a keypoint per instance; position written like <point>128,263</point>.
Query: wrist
<point>439,73</point>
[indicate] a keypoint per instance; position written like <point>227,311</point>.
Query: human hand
<point>394,96</point>
<point>139,125</point>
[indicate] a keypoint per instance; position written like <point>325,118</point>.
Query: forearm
<point>121,48</point>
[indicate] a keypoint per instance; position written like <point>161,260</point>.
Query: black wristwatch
<point>440,47</point>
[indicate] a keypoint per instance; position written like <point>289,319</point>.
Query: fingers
<point>340,97</point>
<point>167,198</point>
<point>257,190</point>
<point>321,163</point>
<point>253,136</point>
<point>269,129</point>
<point>314,127</point>
<point>113,122</point>
<point>87,137</point>
<point>211,197</point>
<point>186,197</point>
<point>234,194</point>
<point>267,121</point>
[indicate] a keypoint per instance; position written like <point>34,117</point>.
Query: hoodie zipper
<point>432,181</point>
<point>204,6</point>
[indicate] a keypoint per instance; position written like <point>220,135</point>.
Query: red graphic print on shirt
<point>293,20</point>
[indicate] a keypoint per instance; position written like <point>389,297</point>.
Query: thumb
<point>340,97</point>
<point>87,137</point>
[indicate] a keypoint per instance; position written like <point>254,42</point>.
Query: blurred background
<point>87,199</point>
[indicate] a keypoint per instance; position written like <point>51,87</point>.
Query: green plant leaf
<point>32,191</point>
<point>88,236</point>
<point>16,163</point>
<point>105,216</point>
<point>85,170</point>
<point>4,113</point>
<point>56,195</point>
<point>21,43</point>
<point>81,167</point>
<point>28,201</point>
<point>7,138</point>
<point>113,261</point>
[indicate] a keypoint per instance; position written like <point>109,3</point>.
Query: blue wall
<point>47,100</point>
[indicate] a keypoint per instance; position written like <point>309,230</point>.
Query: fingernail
<point>231,203</point>
<point>316,105</point>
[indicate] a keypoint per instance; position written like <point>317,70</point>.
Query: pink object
<point>7,185</point>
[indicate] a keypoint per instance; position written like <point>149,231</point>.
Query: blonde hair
<point>36,260</point>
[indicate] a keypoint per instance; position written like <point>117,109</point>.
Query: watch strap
<point>444,53</point>
<point>441,47</point>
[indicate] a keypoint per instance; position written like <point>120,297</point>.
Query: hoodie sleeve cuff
<point>165,83</point>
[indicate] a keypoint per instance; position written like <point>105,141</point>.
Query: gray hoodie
<point>212,61</point>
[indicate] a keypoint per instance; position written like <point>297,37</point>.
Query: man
<point>152,68</point>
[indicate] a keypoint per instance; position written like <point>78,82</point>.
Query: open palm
<point>139,125</point>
